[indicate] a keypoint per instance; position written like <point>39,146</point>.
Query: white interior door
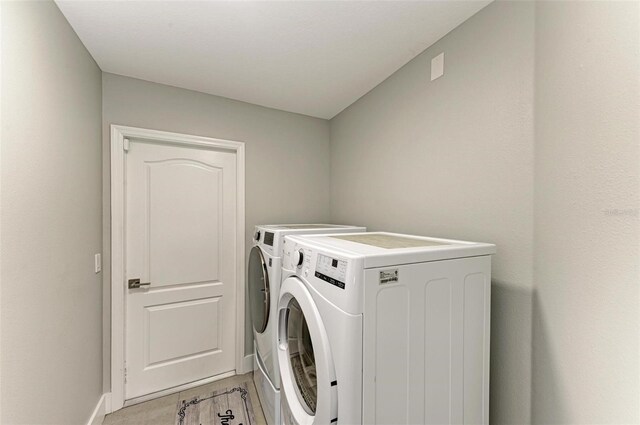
<point>181,243</point>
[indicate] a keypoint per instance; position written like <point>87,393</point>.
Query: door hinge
<point>126,145</point>
<point>125,375</point>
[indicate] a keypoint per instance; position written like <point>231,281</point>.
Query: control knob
<point>256,236</point>
<point>298,256</point>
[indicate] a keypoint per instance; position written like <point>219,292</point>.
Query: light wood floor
<point>163,410</point>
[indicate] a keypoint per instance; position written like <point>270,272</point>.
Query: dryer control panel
<point>331,270</point>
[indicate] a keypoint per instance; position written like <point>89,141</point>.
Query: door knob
<point>135,283</point>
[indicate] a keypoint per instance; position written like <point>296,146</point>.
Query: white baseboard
<point>248,364</point>
<point>102,408</point>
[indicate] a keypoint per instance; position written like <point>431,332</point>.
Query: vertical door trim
<point>118,135</point>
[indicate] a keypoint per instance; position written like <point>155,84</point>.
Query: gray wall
<point>275,193</point>
<point>531,140</point>
<point>51,220</point>
<point>587,208</point>
<point>454,158</point>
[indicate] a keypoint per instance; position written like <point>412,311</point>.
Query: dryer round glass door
<point>301,357</point>
<point>258,288</point>
<point>307,370</point>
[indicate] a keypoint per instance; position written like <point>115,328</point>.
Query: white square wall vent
<point>437,66</point>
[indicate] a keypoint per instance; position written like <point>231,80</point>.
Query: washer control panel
<point>331,270</point>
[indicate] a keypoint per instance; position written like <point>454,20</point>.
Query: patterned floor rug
<point>227,406</point>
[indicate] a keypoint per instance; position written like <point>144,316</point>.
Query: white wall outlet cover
<point>98,263</point>
<point>437,66</point>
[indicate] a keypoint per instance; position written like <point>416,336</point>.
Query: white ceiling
<point>310,57</point>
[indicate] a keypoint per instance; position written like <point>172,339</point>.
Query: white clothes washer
<point>263,287</point>
<point>383,328</point>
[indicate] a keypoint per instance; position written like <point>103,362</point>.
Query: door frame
<point>119,136</point>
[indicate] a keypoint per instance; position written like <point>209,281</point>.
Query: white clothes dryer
<point>382,328</point>
<point>263,287</point>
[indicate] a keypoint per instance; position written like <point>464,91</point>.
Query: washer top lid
<point>304,226</point>
<point>390,241</point>
<point>381,249</point>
